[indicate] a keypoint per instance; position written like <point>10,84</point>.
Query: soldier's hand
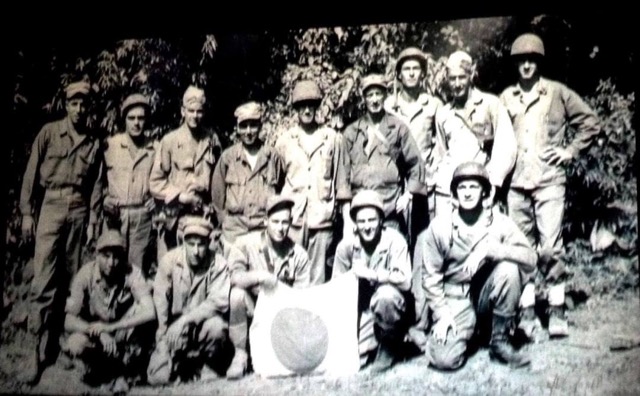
<point>110,205</point>
<point>91,232</point>
<point>441,328</point>
<point>556,156</point>
<point>28,227</point>
<point>173,335</point>
<point>363,272</point>
<point>403,202</point>
<point>108,344</point>
<point>189,198</point>
<point>474,260</point>
<point>268,280</point>
<point>97,328</point>
<point>494,249</point>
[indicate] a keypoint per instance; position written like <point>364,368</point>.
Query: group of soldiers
<point>421,188</point>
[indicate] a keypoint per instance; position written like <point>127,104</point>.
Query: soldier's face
<point>527,68</point>
<point>368,224</point>
<point>410,73</point>
<point>307,111</point>
<point>374,99</point>
<point>77,110</point>
<point>135,120</point>
<point>248,131</point>
<point>459,81</point>
<point>278,224</point>
<point>192,114</point>
<point>109,261</point>
<point>196,248</point>
<point>469,194</point>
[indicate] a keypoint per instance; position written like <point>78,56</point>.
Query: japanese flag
<point>306,331</point>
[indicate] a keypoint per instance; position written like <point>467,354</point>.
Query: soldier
<point>128,158</point>
<point>191,296</point>
<point>417,109</point>
<point>260,259</point>
<point>383,156</point>
<point>107,310</point>
<point>316,177</point>
<point>542,110</point>
<point>474,259</point>
<point>181,172</point>
<point>65,161</point>
<point>246,175</point>
<point>379,257</point>
<point>473,126</point>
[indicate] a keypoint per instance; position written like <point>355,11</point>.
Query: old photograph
<point>391,204</point>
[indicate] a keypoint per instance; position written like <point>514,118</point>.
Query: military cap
<point>366,198</point>
<point>306,90</point>
<point>373,80</point>
<point>77,88</point>
<point>470,170</point>
<point>278,202</point>
<point>196,225</point>
<point>460,59</point>
<point>110,239</point>
<point>411,53</point>
<point>248,111</point>
<point>193,94</point>
<point>134,100</point>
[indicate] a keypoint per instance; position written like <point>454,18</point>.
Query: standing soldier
<point>383,156</point>
<point>260,259</point>
<point>246,175</point>
<point>181,172</point>
<point>128,159</point>
<point>542,111</point>
<point>65,161</point>
<point>316,177</point>
<point>474,259</point>
<point>379,257</point>
<point>473,126</point>
<point>191,297</point>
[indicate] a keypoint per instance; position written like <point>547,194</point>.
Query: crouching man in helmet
<point>474,260</point>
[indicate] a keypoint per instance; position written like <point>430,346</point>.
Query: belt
<point>61,191</point>
<point>457,289</point>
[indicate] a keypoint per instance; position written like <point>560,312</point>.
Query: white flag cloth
<point>306,331</point>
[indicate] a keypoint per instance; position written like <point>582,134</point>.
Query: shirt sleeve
<point>302,277</point>
<point>342,261</point>
<point>162,286</point>
<point>516,246</point>
<point>430,255</point>
<point>79,286</point>
<point>581,117</point>
<point>159,184</point>
<point>31,175</point>
<point>400,262</point>
<point>218,189</point>
<point>505,146</point>
<point>238,261</point>
<point>412,161</point>
<point>343,188</point>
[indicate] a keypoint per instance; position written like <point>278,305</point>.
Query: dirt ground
<point>580,364</point>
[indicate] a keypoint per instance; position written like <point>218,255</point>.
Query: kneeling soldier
<point>107,313</point>
<point>474,261</point>
<point>191,296</point>
<point>260,259</point>
<point>379,257</point>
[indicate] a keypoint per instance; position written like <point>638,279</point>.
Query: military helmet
<point>527,44</point>
<point>411,53</point>
<point>306,90</point>
<point>366,198</point>
<point>470,170</point>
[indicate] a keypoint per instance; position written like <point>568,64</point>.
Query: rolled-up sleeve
<point>429,254</point>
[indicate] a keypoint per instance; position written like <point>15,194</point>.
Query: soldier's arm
<point>430,255</point>
<point>412,162</point>
<point>73,323</point>
<point>581,117</point>
<point>145,310</point>
<point>31,174</point>
<point>505,146</point>
<point>97,193</point>
<point>342,260</point>
<point>159,184</point>
<point>239,268</point>
<point>219,190</point>
<point>440,145</point>
<point>515,247</point>
<point>302,276</point>
<point>162,285</point>
<point>399,273</point>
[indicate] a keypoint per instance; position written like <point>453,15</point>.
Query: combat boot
<point>240,363</point>
<point>558,325</point>
<point>500,348</point>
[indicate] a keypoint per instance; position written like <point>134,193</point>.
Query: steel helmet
<point>470,170</point>
<point>527,44</point>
